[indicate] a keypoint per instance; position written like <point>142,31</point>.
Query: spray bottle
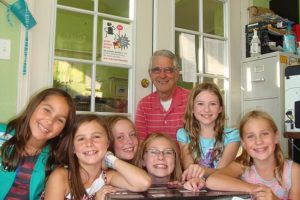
<point>289,41</point>
<point>255,48</point>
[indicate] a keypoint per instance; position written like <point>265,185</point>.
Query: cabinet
<point>263,89</point>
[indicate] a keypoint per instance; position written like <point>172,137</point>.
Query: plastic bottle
<point>289,41</point>
<point>255,48</point>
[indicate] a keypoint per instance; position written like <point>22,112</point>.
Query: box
<point>292,98</point>
<point>264,36</point>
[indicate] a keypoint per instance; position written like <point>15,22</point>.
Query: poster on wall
<point>116,42</point>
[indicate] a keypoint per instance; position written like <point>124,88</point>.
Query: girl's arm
<point>128,176</point>
<point>229,154</point>
<point>294,191</point>
<point>228,179</point>
<point>185,155</point>
<point>57,185</point>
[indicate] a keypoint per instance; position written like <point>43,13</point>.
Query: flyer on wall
<point>116,42</point>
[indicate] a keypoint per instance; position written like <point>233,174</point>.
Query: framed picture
<point>121,91</point>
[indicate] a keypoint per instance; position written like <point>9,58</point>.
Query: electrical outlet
<point>5,49</point>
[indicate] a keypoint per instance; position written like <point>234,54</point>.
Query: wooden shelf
<point>292,135</point>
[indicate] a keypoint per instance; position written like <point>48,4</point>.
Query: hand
<point>262,192</point>
<point>193,171</point>
<point>194,184</point>
<point>100,195</point>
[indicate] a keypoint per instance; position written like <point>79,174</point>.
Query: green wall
<point>261,3</point>
<point>9,68</point>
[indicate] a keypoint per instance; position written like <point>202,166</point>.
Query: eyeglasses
<point>166,70</point>
<point>156,152</point>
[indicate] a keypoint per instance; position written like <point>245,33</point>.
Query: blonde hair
<point>192,125</point>
<point>245,158</point>
<point>176,174</point>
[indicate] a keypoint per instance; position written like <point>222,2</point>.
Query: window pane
<point>75,78</point>
<point>187,85</point>
<point>114,7</point>
<point>178,46</point>
<point>111,32</point>
<point>219,82</point>
<point>82,4</point>
<point>112,92</point>
<point>214,56</point>
<point>73,35</point>
<point>186,14</point>
<point>213,17</point>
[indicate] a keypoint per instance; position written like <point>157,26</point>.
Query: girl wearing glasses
<point>159,156</point>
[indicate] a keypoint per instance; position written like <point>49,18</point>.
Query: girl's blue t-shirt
<point>210,155</point>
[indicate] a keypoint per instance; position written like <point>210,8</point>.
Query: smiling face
<point>159,165</point>
<point>259,139</point>
<point>90,143</point>
<point>125,140</point>
<point>206,108</point>
<point>165,80</point>
<point>48,119</point>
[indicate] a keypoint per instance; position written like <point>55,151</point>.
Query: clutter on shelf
<point>274,32</point>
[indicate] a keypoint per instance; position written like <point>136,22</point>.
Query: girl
<point>261,167</point>
<point>159,156</point>
<point>87,149</point>
<point>29,155</point>
<point>124,138</point>
<point>203,139</point>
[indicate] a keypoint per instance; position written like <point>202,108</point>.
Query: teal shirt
<point>37,181</point>
<point>210,156</point>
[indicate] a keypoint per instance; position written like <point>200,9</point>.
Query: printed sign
<point>116,42</point>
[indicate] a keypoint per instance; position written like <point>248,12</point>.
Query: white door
<point>57,50</point>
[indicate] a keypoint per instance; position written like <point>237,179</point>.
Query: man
<point>163,109</point>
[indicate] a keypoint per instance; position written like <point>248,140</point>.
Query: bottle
<point>289,41</point>
<point>255,48</point>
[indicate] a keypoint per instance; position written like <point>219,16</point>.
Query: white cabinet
<point>263,89</point>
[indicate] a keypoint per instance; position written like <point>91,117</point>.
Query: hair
<point>112,121</point>
<point>192,125</point>
<point>77,189</point>
<point>12,151</point>
<point>245,158</point>
<point>164,53</point>
<point>176,174</point>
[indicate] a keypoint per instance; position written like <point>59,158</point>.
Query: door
<point>68,40</point>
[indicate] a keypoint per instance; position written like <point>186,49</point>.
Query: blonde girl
<point>159,156</point>
<point>261,168</point>
<point>204,141</point>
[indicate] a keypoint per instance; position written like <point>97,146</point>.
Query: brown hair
<point>77,189</point>
<point>245,158</point>
<point>176,174</point>
<point>192,125</point>
<point>12,150</point>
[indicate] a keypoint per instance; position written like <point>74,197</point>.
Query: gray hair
<point>164,53</point>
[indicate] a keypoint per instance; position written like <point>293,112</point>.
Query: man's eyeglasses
<point>166,70</point>
<point>156,152</point>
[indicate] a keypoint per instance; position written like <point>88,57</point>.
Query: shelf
<point>292,135</point>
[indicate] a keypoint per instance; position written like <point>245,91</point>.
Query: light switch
<point>5,49</point>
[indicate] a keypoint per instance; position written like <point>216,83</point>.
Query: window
<point>201,42</point>
<point>93,53</point>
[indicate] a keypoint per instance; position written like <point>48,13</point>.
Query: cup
<point>19,10</point>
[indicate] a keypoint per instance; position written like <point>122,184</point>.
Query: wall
<point>9,68</point>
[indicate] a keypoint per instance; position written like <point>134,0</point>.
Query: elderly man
<point>163,109</point>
